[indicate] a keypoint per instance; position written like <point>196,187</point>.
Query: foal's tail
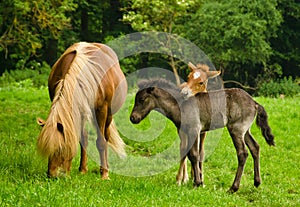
<point>262,122</point>
<point>115,141</point>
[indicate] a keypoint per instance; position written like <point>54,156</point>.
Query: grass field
<point>23,180</point>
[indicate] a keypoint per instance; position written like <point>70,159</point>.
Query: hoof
<point>257,183</point>
<point>232,190</point>
<point>178,182</point>
<point>196,185</point>
<point>104,173</point>
<point>83,171</point>
<point>105,178</point>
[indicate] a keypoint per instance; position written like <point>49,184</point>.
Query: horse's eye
<point>201,83</point>
<point>141,100</point>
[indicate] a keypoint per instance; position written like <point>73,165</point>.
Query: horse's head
<point>197,79</point>
<point>143,104</point>
<point>50,145</point>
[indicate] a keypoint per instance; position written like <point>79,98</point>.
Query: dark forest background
<point>252,42</point>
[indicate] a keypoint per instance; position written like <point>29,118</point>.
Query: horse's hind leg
<point>254,149</point>
<point>101,142</point>
<point>201,152</point>
<point>83,146</point>
<point>242,154</point>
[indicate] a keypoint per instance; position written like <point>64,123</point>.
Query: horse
<point>86,84</point>
<point>203,112</point>
<point>197,82</point>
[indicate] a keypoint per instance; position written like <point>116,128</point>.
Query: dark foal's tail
<point>262,122</point>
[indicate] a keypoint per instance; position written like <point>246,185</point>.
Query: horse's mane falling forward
<point>85,80</point>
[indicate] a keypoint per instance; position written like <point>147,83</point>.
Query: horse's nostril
<point>134,119</point>
<point>131,118</point>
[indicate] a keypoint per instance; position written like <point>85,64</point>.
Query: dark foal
<point>233,108</point>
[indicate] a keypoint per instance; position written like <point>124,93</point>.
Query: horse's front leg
<point>101,142</point>
<point>83,145</point>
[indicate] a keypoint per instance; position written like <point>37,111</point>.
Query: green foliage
<point>235,31</point>
<point>24,182</point>
<point>159,15</point>
<point>27,25</point>
<point>275,88</point>
<point>286,43</point>
<point>36,73</point>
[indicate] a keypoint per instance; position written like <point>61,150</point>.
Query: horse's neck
<point>169,107</point>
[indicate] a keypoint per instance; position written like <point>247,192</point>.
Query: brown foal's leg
<point>182,172</point>
<point>201,152</point>
<point>254,149</point>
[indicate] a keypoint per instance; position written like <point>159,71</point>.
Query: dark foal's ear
<point>142,84</point>
<point>60,127</point>
<point>150,89</point>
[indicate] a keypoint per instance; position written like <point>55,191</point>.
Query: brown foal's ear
<point>202,67</point>
<point>212,74</point>
<point>40,121</point>
<point>192,66</point>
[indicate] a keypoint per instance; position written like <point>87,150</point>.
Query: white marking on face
<point>196,74</point>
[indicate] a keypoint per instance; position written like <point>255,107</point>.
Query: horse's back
<point>226,106</point>
<point>111,80</point>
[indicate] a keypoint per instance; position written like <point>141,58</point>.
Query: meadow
<point>23,179</point>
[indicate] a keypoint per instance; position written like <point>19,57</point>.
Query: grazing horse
<point>196,115</point>
<point>86,84</point>
<point>196,82</point>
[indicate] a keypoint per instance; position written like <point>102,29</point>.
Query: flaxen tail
<point>262,122</point>
<point>115,141</point>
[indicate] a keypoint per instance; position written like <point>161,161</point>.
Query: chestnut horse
<point>233,108</point>
<point>86,84</point>
<point>196,82</point>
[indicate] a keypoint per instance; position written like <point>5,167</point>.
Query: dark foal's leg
<point>242,154</point>
<point>83,146</point>
<point>254,149</point>
<point>194,158</point>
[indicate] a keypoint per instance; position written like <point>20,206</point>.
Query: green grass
<point>23,180</point>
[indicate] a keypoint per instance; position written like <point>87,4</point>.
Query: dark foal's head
<point>158,94</point>
<point>143,104</point>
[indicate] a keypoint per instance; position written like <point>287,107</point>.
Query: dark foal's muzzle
<point>135,119</point>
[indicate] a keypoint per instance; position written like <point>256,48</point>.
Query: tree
<point>164,16</point>
<point>27,25</point>
<point>286,43</point>
<point>236,34</point>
